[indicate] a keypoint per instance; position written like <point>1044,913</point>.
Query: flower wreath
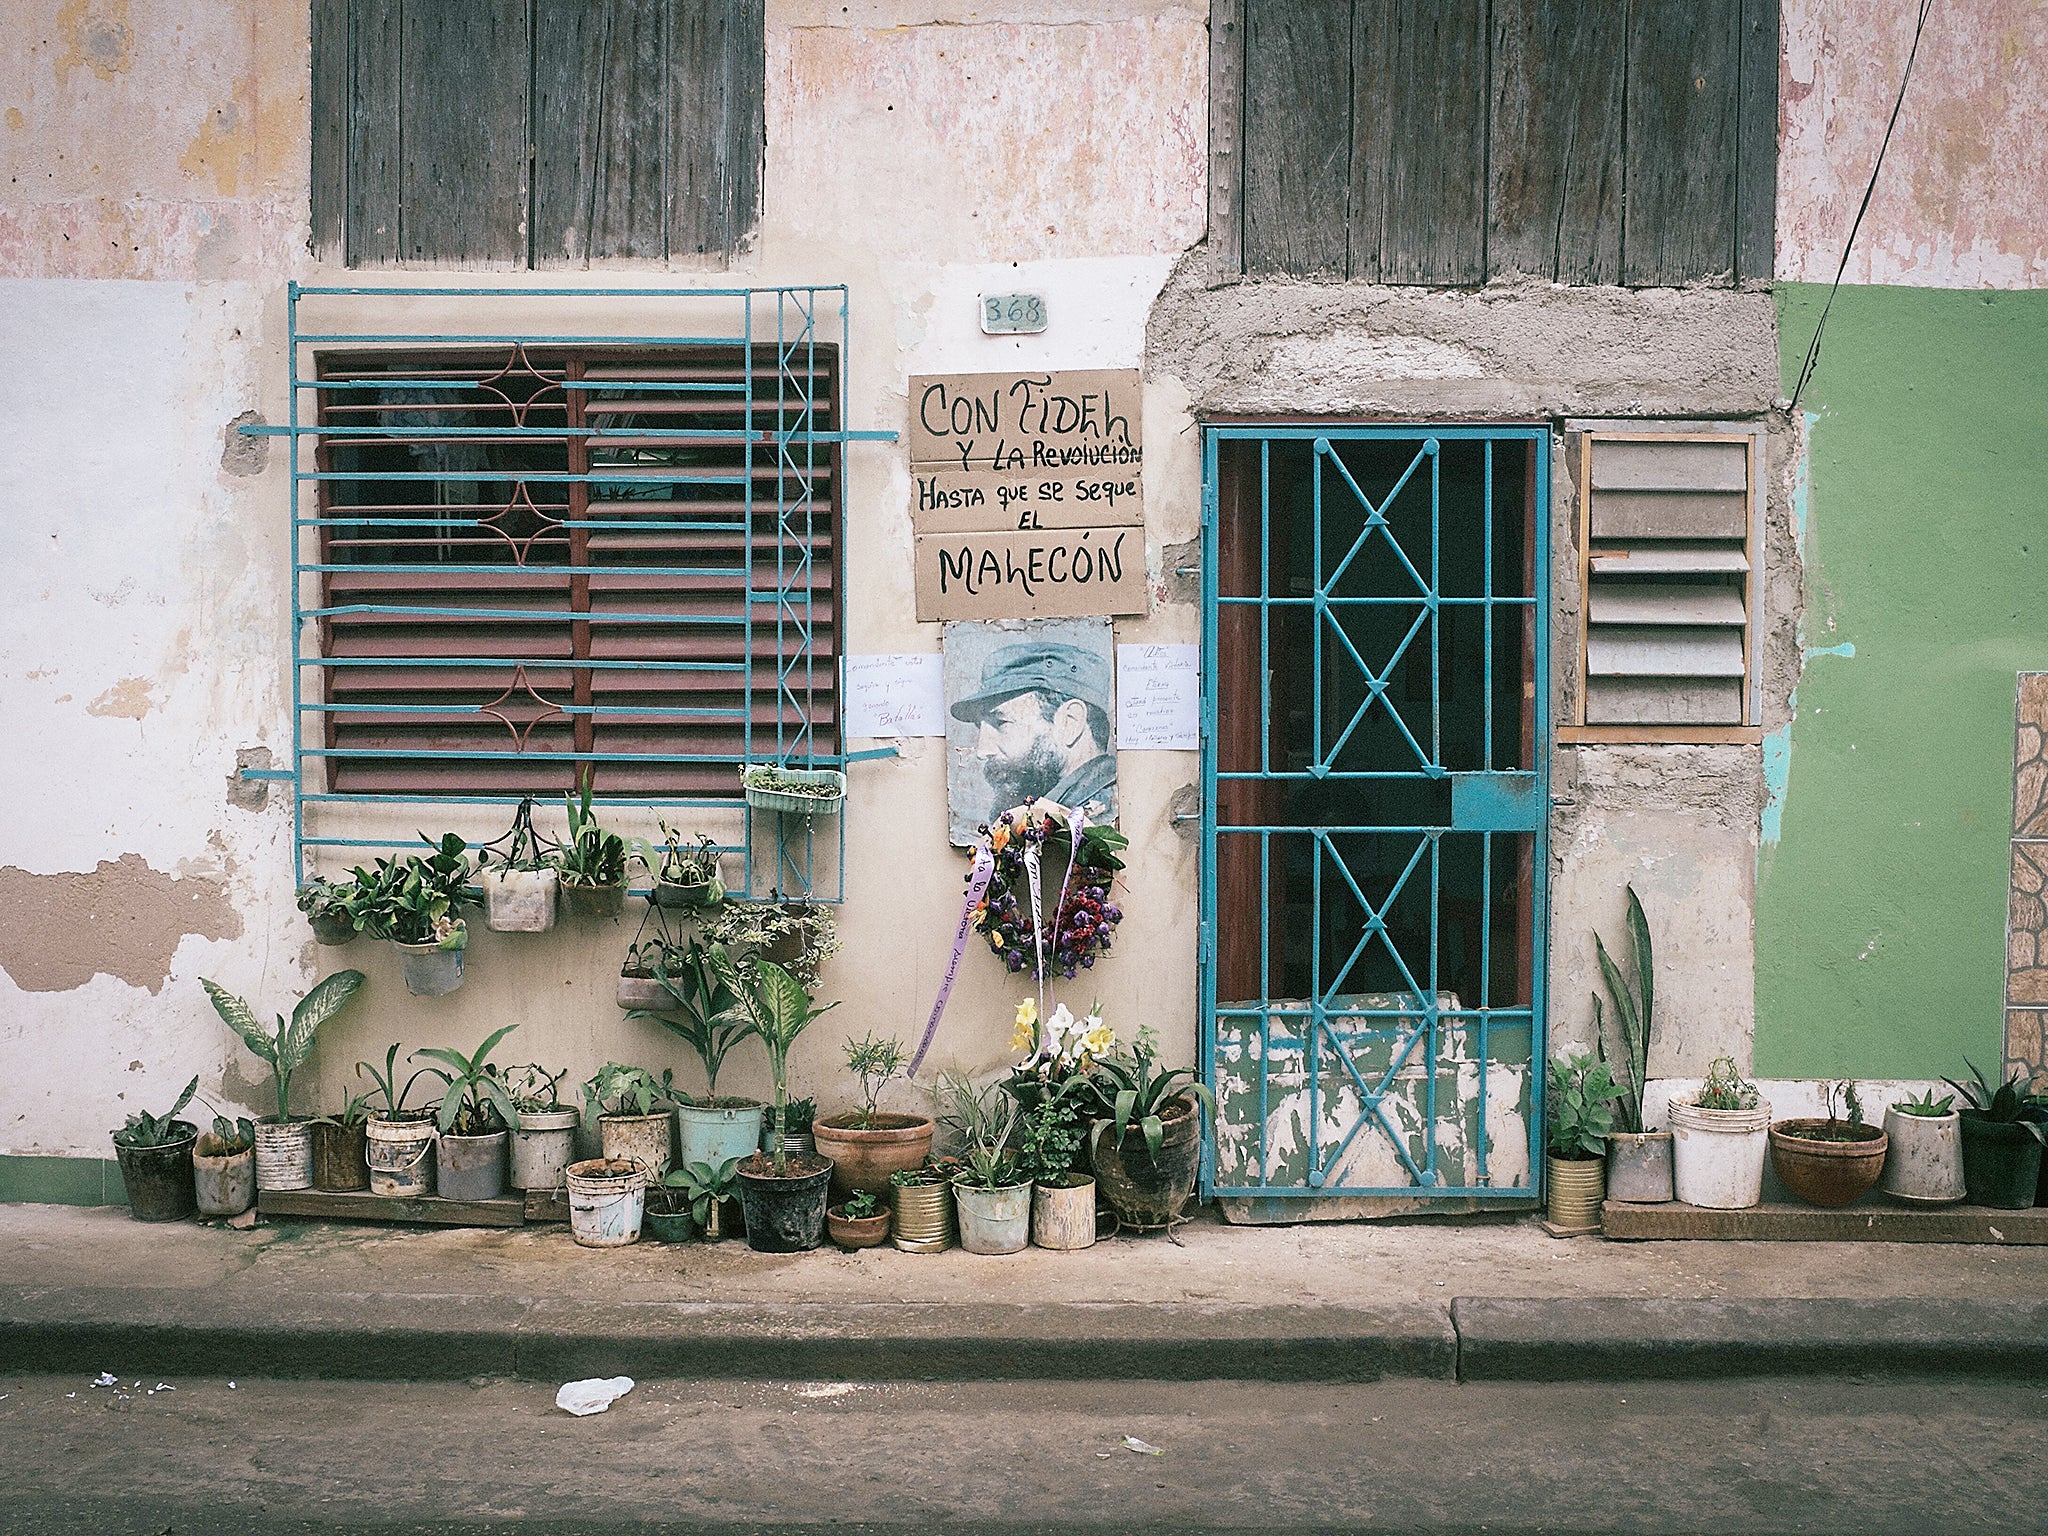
<point>1035,860</point>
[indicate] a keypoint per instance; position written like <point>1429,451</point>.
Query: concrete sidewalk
<point>91,1289</point>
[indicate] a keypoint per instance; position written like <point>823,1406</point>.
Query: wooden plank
<point>373,178</point>
<point>329,104</point>
<point>600,105</point>
<point>1226,139</point>
<point>462,114</point>
<point>1756,132</point>
<point>547,1204</point>
<point>1641,464</point>
<point>1678,220</point>
<point>1630,650</point>
<point>1418,145</point>
<point>1671,515</point>
<point>425,1210</point>
<point>1554,168</point>
<point>717,81</point>
<point>1297,137</point>
<point>1054,573</point>
<point>1672,559</point>
<point>1652,602</point>
<point>1870,1220</point>
<point>1647,735</point>
<point>1663,701</point>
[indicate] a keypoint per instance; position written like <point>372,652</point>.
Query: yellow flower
<point>1024,1037</point>
<point>1099,1040</point>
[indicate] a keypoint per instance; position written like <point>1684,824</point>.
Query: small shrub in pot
<point>859,1221</point>
<point>991,1196</point>
<point>1049,1142</point>
<point>1718,1141</point>
<point>1833,1161</point>
<point>224,1166</point>
<point>1579,1118</point>
<point>155,1154</point>
<point>543,1127</point>
<point>284,1147</point>
<point>414,903</point>
<point>2002,1140</point>
<point>628,1107</point>
<point>335,908</point>
<point>866,1145</point>
<point>475,1120</point>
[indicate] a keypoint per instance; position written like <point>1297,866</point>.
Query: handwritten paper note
<point>896,695</point>
<point>1158,698</point>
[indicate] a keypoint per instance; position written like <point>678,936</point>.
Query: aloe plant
<point>1630,1062</point>
<point>146,1130</point>
<point>287,1048</point>
<point>2004,1105</point>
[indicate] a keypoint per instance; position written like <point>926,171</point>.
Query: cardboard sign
<point>1057,573</point>
<point>1035,422</point>
<point>982,501</point>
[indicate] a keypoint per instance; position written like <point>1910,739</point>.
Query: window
<point>535,133</point>
<point>1450,141</point>
<point>1671,562</point>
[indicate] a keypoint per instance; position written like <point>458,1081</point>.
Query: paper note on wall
<point>1158,698</point>
<point>896,695</point>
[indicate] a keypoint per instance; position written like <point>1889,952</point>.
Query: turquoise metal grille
<point>1373,918</point>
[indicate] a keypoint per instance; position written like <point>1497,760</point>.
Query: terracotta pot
<point>852,1232</point>
<point>864,1157</point>
<point>1827,1173</point>
<point>1144,1190</point>
<point>593,901</point>
<point>1576,1187</point>
<point>340,1156</point>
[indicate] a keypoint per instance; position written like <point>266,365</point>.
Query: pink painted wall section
<point>152,139</point>
<point>1963,198</point>
<point>1002,141</point>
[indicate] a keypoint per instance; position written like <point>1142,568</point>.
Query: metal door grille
<point>1375,695</point>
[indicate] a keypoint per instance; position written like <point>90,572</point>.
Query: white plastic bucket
<point>1718,1154</point>
<point>401,1157</point>
<point>605,1207</point>
<point>518,900</point>
<point>284,1155</point>
<point>543,1146</point>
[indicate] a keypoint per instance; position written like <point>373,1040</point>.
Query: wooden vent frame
<point>1671,566</point>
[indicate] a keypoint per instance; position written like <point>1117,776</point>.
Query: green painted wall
<point>1882,876</point>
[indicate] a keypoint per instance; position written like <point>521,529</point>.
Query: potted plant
<point>155,1154</point>
<point>668,1219</point>
<point>341,1147</point>
<point>793,791</point>
<point>1925,1164</point>
<point>519,890</point>
<point>640,989</point>
<point>224,1166</point>
<point>475,1120</point>
<point>866,1145</point>
<point>543,1127</point>
<point>1832,1161</point>
<point>921,1206</point>
<point>1580,1117</point>
<point>686,874</point>
<point>861,1220</point>
<point>415,905</point>
<point>1638,1158</point>
<point>619,1103</point>
<point>607,1201</point>
<point>593,862</point>
<point>799,936</point>
<point>990,1196</point>
<point>1050,1136</point>
<point>713,1190</point>
<point>783,1194</point>
<point>333,907</point>
<point>696,1003</point>
<point>1148,1145</point>
<point>284,1146</point>
<point>399,1142</point>
<point>1718,1139</point>
<point>2002,1138</point>
<point>790,1128</point>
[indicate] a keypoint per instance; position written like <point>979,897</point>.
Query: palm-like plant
<point>146,1130</point>
<point>287,1048</point>
<point>476,1092</point>
<point>780,1010</point>
<point>704,1008</point>
<point>387,1083</point>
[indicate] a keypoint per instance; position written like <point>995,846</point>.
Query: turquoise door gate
<point>1375,669</point>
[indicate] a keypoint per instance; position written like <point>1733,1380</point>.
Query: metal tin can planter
<point>1147,1190</point>
<point>863,1156</point>
<point>854,1233</point>
<point>993,1220</point>
<point>1576,1187</point>
<point>2001,1162</point>
<point>710,1133</point>
<point>921,1217</point>
<point>429,970</point>
<point>159,1179</point>
<point>592,902</point>
<point>1717,1155</point>
<point>1827,1173</point>
<point>472,1167</point>
<point>401,1156</point>
<point>607,1202</point>
<point>224,1183</point>
<point>1925,1163</point>
<point>1639,1167</point>
<point>1063,1215</point>
<point>519,900</point>
<point>284,1154</point>
<point>642,1139</point>
<point>785,1212</point>
<point>340,1156</point>
<point>543,1147</point>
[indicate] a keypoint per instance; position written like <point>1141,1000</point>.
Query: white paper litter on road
<point>106,1379</point>
<point>1142,1447</point>
<point>594,1394</point>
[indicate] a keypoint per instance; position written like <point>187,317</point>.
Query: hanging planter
<point>519,890</point>
<point>793,791</point>
<point>433,969</point>
<point>685,873</point>
<point>592,862</point>
<point>334,908</point>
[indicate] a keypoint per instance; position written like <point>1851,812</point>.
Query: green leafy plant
<point>985,1120</point>
<point>2004,1105</point>
<point>228,1138</point>
<point>387,1086</point>
<point>780,1009</point>
<point>1581,1094</point>
<point>1726,1088</point>
<point>703,1008</point>
<point>799,936</point>
<point>1049,1139</point>
<point>1928,1106</point>
<point>592,856</point>
<point>1845,1126</point>
<point>354,1111</point>
<point>288,1047</point>
<point>415,900</point>
<point>677,860</point>
<point>340,901</point>
<point>875,1062</point>
<point>793,1118</point>
<point>1132,1090</point>
<point>862,1205</point>
<point>146,1130</point>
<point>621,1090</point>
<point>476,1103</point>
<point>534,1089</point>
<point>1632,1016</point>
<point>704,1184</point>
<point>935,1169</point>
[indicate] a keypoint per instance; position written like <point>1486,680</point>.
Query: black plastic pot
<point>2001,1163</point>
<point>159,1179</point>
<point>787,1214</point>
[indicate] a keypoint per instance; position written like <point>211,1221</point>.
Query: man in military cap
<point>1043,713</point>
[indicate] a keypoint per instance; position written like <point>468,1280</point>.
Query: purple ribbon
<point>977,887</point>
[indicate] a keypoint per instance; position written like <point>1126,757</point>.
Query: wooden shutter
<point>1670,545</point>
<point>476,599</point>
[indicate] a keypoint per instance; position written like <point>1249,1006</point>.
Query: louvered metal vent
<point>1669,542</point>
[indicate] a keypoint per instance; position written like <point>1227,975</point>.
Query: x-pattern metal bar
<point>1375,916</point>
<point>1372,1098</point>
<point>1376,684</point>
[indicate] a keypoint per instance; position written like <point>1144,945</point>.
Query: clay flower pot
<point>863,1157</point>
<point>854,1232</point>
<point>1827,1172</point>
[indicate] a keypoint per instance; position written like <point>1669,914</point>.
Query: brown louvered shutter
<point>566,577</point>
